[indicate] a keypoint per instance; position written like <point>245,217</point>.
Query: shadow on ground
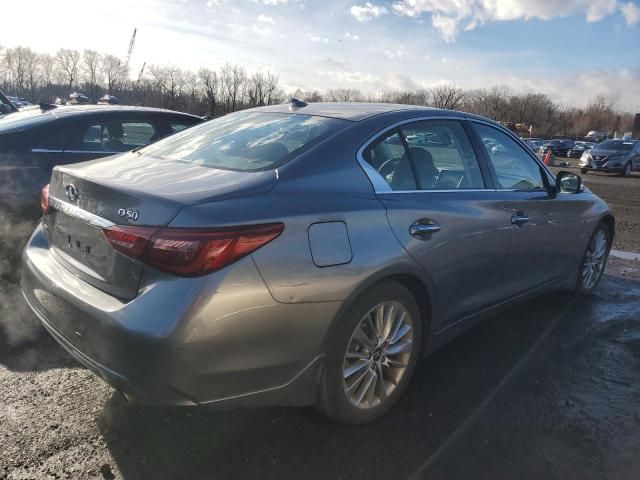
<point>447,388</point>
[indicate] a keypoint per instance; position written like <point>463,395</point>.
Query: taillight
<point>131,241</point>
<point>44,199</point>
<point>191,252</point>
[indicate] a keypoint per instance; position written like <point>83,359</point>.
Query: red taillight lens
<point>44,199</point>
<point>187,252</point>
<point>131,241</point>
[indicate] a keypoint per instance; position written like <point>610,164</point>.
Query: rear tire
<point>584,171</point>
<point>594,260</point>
<point>363,377</point>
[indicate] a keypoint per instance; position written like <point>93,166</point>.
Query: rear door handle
<point>519,218</point>
<point>423,228</point>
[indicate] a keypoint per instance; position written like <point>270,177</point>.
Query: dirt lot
<point>547,390</point>
<point>623,195</point>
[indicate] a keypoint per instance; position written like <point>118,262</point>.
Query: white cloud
<point>351,36</point>
<point>366,12</point>
<point>631,13</point>
<point>272,2</point>
<point>262,31</point>
<point>349,77</point>
<point>236,11</point>
<point>399,53</point>
<point>265,19</point>
<point>317,38</point>
<point>213,3</point>
<point>449,17</point>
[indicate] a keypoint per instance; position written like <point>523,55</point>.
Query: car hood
<point>608,153</point>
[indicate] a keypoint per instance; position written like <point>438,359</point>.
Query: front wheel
<point>594,260</point>
<point>627,170</point>
<point>373,354</point>
<point>584,171</point>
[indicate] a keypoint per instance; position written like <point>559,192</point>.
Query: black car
<point>613,156</point>
<point>6,105</point>
<point>33,141</point>
<point>560,148</point>
<point>579,148</point>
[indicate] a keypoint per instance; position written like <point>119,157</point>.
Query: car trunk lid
<point>130,189</point>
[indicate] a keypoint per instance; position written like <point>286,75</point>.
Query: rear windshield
<point>616,145</point>
<point>246,141</point>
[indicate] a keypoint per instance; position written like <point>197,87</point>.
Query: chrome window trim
<point>77,212</point>
<point>48,150</point>
<point>380,185</point>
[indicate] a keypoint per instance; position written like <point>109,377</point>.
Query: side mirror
<point>568,182</point>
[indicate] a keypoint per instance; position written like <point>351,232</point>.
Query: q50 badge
<point>128,214</point>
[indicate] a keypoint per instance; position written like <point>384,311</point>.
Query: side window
<point>442,156</point>
<point>52,137</point>
<point>177,125</point>
<point>514,167</point>
<point>137,134</point>
<point>439,157</point>
<point>111,136</point>
<point>387,156</point>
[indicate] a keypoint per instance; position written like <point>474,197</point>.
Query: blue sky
<point>569,49</point>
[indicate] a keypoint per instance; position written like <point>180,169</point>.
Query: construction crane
<point>141,72</point>
<point>132,44</point>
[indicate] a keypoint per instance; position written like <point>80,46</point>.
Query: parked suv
<point>614,156</point>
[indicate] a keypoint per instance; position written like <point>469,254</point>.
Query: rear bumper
<point>219,339</point>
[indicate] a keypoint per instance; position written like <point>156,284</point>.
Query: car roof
<point>64,111</point>
<point>354,111</point>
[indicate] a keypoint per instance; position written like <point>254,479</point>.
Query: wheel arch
<point>413,279</point>
<point>610,222</point>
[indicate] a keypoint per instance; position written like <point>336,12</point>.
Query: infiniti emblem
<point>72,192</point>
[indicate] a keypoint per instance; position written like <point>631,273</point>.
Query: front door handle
<point>423,228</point>
<point>519,218</point>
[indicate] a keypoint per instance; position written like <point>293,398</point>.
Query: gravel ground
<point>546,390</point>
<point>622,194</point>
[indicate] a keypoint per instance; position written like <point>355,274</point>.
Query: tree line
<point>43,77</point>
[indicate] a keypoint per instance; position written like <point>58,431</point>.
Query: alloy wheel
<point>627,170</point>
<point>378,355</point>
<point>594,260</point>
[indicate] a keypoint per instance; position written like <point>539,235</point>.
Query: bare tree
<point>69,60</point>
<point>114,72</point>
<point>92,61</point>
<point>233,80</point>
<point>344,95</point>
<point>447,96</point>
<point>211,86</point>
<point>256,86</point>
<point>273,93</point>
<point>170,80</point>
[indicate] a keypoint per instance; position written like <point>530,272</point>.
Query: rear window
<point>246,141</point>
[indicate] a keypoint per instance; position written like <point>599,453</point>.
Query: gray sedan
<point>302,254</point>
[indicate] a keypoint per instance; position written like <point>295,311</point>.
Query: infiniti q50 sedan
<point>302,254</point>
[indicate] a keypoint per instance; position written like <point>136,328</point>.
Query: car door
<point>441,207</point>
<point>104,135</point>
<point>37,150</point>
<point>636,157</point>
<point>544,226</point>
